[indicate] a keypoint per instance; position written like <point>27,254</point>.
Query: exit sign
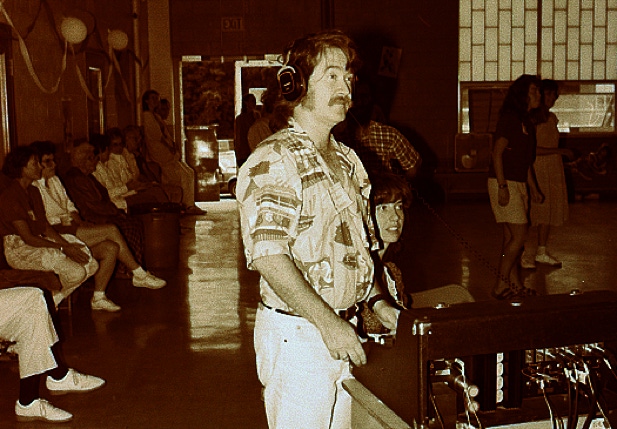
<point>232,23</point>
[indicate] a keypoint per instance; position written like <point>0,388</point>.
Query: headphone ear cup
<point>291,83</point>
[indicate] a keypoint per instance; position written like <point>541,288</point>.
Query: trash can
<point>161,234</point>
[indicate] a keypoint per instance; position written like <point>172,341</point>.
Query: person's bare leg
<point>510,258</point>
<point>543,233</point>
<point>92,235</point>
<point>106,253</point>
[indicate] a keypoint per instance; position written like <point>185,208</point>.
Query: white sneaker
<point>104,303</point>
<point>149,280</point>
<point>548,260</point>
<point>40,409</point>
<point>74,381</point>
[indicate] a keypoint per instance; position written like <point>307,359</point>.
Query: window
<point>582,107</point>
<point>571,41</point>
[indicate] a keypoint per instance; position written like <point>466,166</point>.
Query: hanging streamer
<point>117,67</point>
<point>26,55</point>
<point>82,81</point>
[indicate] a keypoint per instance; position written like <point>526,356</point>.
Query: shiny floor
<point>182,357</point>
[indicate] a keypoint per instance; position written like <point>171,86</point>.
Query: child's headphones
<point>291,82</point>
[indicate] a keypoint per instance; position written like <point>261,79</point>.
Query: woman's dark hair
<point>389,188</point>
<point>517,98</point>
<point>43,147</point>
<point>16,160</point>
<point>305,53</point>
<point>547,85</point>
<point>542,113</point>
<point>145,97</point>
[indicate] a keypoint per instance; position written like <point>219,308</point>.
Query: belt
<point>346,314</point>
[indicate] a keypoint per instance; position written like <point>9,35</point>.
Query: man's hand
<point>75,252</point>
<point>386,314</point>
<point>342,341</point>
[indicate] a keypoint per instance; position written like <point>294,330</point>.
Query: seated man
<point>92,199</point>
<point>113,172</point>
<point>29,240</point>
<point>105,241</point>
<point>25,319</point>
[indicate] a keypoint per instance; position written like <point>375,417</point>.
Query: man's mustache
<point>341,99</point>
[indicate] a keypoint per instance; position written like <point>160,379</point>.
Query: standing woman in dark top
<point>512,180</point>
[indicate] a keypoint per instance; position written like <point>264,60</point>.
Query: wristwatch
<point>504,186</point>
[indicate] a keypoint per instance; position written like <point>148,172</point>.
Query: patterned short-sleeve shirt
<point>290,205</point>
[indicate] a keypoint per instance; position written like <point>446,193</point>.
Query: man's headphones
<point>291,82</point>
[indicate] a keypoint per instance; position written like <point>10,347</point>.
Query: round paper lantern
<point>118,39</point>
<point>73,30</point>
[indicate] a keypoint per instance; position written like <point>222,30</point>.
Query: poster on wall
<point>390,60</point>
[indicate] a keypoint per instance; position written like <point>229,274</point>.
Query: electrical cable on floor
<point>593,406</point>
<point>556,420</point>
<point>593,391</point>
<point>570,404</point>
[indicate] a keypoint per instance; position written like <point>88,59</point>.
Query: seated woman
<point>29,240</point>
<point>139,168</point>
<point>390,200</point>
<point>161,149</point>
<point>105,241</point>
<point>112,171</point>
<point>25,319</point>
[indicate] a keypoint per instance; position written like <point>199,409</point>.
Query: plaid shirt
<point>384,144</point>
<point>290,205</point>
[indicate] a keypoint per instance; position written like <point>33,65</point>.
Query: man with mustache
<point>303,200</point>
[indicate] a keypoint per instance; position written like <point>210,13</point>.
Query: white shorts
<point>517,209</point>
<point>21,256</point>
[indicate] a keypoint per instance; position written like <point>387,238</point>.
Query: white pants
<point>302,382</point>
<point>24,318</point>
<point>21,256</point>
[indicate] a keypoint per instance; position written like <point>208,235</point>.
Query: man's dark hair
<point>246,99</point>
<point>145,97</point>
